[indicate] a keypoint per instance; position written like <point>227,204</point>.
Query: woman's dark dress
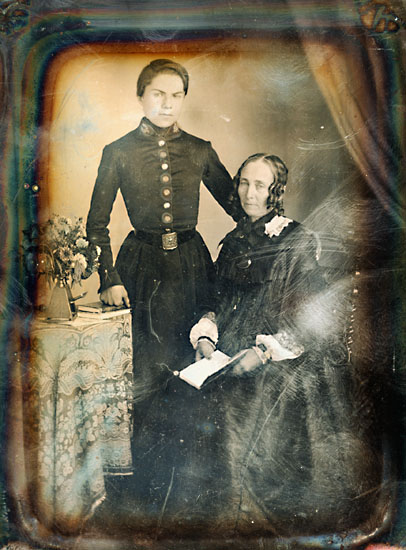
<point>298,456</point>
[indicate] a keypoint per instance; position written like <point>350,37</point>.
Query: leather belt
<point>166,241</point>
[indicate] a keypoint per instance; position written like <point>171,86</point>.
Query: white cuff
<point>205,327</point>
<point>277,346</point>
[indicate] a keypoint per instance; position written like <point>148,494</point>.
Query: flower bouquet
<point>59,250</point>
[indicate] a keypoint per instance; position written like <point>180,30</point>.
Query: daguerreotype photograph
<point>202,277</point>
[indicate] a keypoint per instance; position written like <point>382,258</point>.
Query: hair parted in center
<point>276,188</point>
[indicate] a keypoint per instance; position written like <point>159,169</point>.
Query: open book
<point>206,370</point>
<point>98,310</point>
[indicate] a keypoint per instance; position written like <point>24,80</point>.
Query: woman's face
<point>255,180</point>
<point>163,99</point>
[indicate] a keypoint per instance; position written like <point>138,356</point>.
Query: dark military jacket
<point>158,171</point>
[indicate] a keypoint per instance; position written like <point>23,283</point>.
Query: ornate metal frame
<point>31,33</point>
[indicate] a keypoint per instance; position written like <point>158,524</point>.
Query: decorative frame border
<point>32,32</point>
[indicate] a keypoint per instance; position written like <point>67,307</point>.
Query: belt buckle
<point>169,240</point>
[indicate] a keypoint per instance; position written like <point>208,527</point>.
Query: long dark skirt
<point>180,478</point>
<point>178,482</point>
<point>167,290</point>
<point>300,456</point>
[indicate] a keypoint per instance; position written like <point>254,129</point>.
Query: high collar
<point>147,128</point>
<point>247,227</point>
<point>251,233</point>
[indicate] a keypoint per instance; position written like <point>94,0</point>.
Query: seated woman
<point>295,445</point>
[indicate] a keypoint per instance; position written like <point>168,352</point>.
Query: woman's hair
<point>276,189</point>
<point>157,67</point>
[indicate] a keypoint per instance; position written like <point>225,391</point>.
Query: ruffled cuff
<point>205,328</point>
<point>279,346</point>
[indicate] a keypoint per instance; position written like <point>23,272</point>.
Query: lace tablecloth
<point>78,397</point>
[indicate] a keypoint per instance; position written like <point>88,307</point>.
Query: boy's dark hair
<point>157,67</point>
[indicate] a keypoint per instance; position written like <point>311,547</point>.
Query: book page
<point>196,373</point>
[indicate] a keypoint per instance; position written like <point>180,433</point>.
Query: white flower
<point>276,225</point>
<point>82,243</point>
<point>80,260</point>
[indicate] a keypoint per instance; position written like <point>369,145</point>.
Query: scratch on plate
<point>165,502</point>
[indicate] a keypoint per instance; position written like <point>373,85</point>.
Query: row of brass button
<point>166,179</point>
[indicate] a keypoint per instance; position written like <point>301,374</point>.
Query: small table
<point>78,398</point>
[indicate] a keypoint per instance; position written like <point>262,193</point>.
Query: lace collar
<point>271,225</point>
<point>275,227</point>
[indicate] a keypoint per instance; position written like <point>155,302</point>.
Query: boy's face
<point>163,99</point>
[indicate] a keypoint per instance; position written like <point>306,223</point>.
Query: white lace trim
<point>275,346</point>
<point>205,327</point>
<point>276,225</point>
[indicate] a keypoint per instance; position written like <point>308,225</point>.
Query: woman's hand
<point>115,296</point>
<point>248,362</point>
<point>204,349</point>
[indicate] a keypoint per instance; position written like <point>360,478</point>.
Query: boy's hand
<point>115,296</point>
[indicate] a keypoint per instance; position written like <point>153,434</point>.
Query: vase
<point>61,306</point>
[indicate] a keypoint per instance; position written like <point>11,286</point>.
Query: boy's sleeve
<point>219,182</point>
<point>103,197</point>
